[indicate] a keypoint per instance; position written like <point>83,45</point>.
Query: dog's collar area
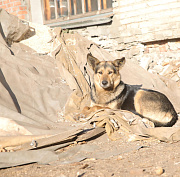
<point>121,95</point>
<point>121,89</point>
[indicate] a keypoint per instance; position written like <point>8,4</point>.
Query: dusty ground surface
<point>140,158</point>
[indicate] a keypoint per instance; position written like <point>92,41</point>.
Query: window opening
<point>57,9</point>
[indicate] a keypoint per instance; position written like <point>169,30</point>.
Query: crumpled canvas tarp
<point>40,94</point>
<point>78,75</point>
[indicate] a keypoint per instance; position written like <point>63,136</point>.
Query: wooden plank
<point>61,9</point>
<point>70,8</point>
<point>99,4</point>
<point>83,6</point>
<point>47,9</point>
<point>79,16</point>
<point>105,4</point>
<point>89,5</point>
<point>75,7</point>
<point>85,9</point>
<point>55,9</point>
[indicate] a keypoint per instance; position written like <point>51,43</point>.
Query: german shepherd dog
<point>109,91</point>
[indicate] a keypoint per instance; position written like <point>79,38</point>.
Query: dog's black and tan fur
<point>108,90</point>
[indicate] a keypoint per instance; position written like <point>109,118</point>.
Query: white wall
<point>36,11</point>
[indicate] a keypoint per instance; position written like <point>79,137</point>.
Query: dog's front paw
<point>79,116</point>
<point>82,115</point>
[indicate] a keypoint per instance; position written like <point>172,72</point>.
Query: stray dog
<point>109,91</point>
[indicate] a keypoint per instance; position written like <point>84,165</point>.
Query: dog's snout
<point>104,82</point>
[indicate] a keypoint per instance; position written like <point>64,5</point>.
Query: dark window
<point>63,10</point>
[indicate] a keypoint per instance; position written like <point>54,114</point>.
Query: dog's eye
<point>110,72</point>
<point>100,72</point>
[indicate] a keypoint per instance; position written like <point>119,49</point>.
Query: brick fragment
<point>21,16</point>
<point>17,3</point>
<point>146,50</point>
<point>10,5</point>
<point>22,8</point>
<point>5,1</point>
<point>14,9</point>
<point>162,48</point>
<point>22,12</point>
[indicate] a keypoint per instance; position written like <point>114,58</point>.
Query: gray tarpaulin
<point>37,91</point>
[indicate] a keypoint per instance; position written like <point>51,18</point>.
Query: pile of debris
<point>157,57</point>
<point>165,64</point>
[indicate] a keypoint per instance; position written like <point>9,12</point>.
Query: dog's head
<point>106,73</point>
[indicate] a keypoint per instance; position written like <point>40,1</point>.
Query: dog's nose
<point>104,82</point>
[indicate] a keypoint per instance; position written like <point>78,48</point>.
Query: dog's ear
<point>119,62</point>
<point>92,61</point>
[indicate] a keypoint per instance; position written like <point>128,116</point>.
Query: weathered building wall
<point>19,8</point>
<point>146,31</point>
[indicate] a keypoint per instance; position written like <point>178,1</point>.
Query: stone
<point>130,39</point>
<point>163,48</point>
<point>158,36</point>
<point>174,45</point>
<point>175,78</point>
<point>167,33</point>
<point>13,28</point>
<point>119,157</point>
<point>121,47</point>
<point>136,31</point>
<point>178,73</point>
<point>159,171</point>
<point>156,68</point>
<point>147,37</point>
<point>115,35</point>
<point>167,69</point>
<point>134,51</point>
<point>145,62</point>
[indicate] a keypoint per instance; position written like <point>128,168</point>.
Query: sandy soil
<point>152,158</point>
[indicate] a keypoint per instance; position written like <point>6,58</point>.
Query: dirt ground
<point>140,158</point>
